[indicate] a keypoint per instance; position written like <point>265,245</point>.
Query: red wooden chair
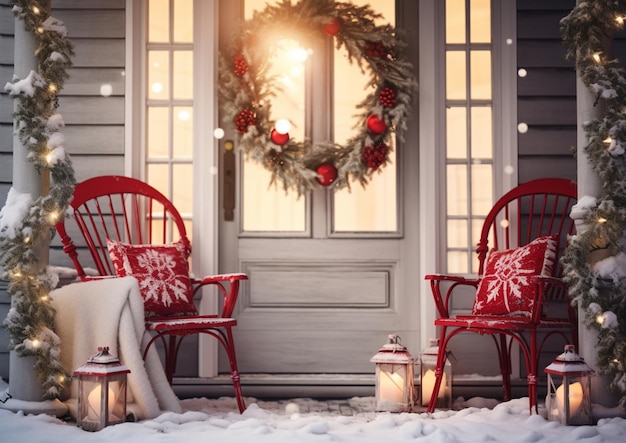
<point>130,212</point>
<point>505,308</point>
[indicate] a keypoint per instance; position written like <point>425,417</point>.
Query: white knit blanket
<point>110,312</point>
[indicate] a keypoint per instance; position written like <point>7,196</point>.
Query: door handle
<point>229,183</point>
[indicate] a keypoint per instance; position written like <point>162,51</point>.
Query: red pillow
<point>506,287</point>
<point>162,272</point>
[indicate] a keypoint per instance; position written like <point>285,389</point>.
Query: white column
<point>23,382</point>
<point>589,184</point>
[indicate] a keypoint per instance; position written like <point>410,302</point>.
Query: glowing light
<point>600,319</point>
<point>36,10</point>
<point>509,169</point>
<point>184,115</point>
<point>218,133</point>
<point>26,240</point>
<point>52,87</point>
<point>157,87</point>
<point>575,397</point>
<point>40,30</point>
<point>282,126</point>
<point>53,216</point>
<point>521,72</point>
<point>602,220</point>
<point>607,140</point>
<point>620,20</point>
<point>298,55</point>
<point>522,128</point>
<point>49,157</point>
<point>36,343</point>
<point>504,223</point>
<point>596,57</point>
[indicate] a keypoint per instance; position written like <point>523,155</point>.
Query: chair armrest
<point>229,292</point>
<point>442,302</point>
<point>219,278</point>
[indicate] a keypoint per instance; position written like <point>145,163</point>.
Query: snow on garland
<point>24,222</point>
<point>601,289</point>
<point>246,92</point>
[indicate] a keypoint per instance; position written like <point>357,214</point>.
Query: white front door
<point>331,274</point>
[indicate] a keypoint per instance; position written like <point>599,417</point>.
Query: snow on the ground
<point>217,420</point>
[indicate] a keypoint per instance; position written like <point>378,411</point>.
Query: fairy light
<point>53,216</point>
<point>40,30</point>
<point>602,220</point>
<point>596,57</point>
<point>620,20</point>
<point>36,343</point>
<point>608,140</point>
<point>52,87</point>
<point>600,319</point>
<point>35,10</point>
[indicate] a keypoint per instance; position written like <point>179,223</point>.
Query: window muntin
<point>469,155</point>
<point>168,154</point>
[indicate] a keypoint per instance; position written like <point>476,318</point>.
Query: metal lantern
<point>394,377</point>
<point>570,403</point>
<point>101,391</point>
<point>428,365</point>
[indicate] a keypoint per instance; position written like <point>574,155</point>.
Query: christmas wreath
<point>246,90</point>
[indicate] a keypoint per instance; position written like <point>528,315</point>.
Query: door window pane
<point>158,75</point>
<point>374,208</point>
<point>456,132</point>
<point>268,208</point>
<point>183,26</point>
<point>456,85</point>
<point>183,75</point>
<point>455,21</point>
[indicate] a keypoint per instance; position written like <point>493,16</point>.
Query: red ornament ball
<point>374,156</point>
<point>278,138</point>
<point>376,125</point>
<point>387,97</point>
<point>244,119</point>
<point>375,50</point>
<point>240,66</point>
<point>332,28</point>
<point>326,174</point>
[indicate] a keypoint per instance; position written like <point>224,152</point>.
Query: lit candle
<point>94,398</point>
<point>391,387</point>
<point>428,384</point>
<point>575,398</point>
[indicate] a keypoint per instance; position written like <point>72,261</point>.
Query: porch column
<point>24,386</point>
<point>589,184</point>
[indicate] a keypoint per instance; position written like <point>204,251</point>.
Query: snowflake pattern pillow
<point>162,272</point>
<point>506,287</point>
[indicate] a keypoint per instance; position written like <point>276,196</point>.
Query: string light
<point>596,57</point>
<point>602,220</point>
<point>40,30</point>
<point>608,140</point>
<point>52,87</point>
<point>53,216</point>
<point>35,10</point>
<point>620,20</point>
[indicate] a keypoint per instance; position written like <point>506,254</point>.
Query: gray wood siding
<point>547,94</point>
<point>94,124</point>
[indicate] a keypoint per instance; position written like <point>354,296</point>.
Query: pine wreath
<point>246,91</point>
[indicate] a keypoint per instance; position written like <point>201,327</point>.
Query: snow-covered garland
<point>601,289</point>
<point>245,93</point>
<point>23,222</point>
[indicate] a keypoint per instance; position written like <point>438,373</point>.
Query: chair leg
<point>533,363</point>
<point>171,351</point>
<point>441,360</point>
<point>234,370</point>
<point>505,366</point>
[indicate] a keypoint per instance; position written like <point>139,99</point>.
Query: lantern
<point>394,377</point>
<point>101,391</point>
<point>428,365</point>
<point>570,403</point>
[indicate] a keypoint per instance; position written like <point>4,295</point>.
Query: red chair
<point>516,225</point>
<point>128,210</point>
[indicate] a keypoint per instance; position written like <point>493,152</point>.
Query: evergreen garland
<point>587,31</point>
<point>246,91</point>
<point>30,320</point>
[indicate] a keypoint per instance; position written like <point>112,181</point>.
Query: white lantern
<point>570,403</point>
<point>101,391</point>
<point>428,366</point>
<point>394,377</point>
